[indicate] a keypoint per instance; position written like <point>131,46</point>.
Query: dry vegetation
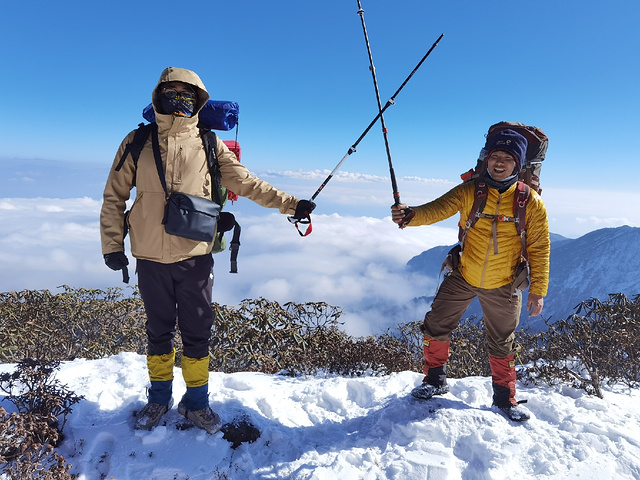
<point>596,345</point>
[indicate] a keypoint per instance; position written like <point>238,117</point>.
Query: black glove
<point>303,209</point>
<point>116,260</point>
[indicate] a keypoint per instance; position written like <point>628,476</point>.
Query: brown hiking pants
<point>501,310</point>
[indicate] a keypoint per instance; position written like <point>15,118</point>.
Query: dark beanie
<point>509,141</point>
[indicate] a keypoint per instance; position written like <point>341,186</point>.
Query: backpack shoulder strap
<point>135,147</point>
<point>157,156</point>
<point>479,202</point>
<point>520,200</point>
<point>210,143</point>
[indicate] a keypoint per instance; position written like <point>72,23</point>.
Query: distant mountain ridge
<point>593,266</point>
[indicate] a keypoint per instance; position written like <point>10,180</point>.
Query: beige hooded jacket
<point>185,167</point>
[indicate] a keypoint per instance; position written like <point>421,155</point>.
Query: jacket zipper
<point>178,166</point>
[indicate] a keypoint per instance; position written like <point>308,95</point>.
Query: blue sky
<point>299,71</point>
<point>76,76</point>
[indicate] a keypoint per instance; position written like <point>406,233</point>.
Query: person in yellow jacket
<point>175,274</point>
<point>487,267</point>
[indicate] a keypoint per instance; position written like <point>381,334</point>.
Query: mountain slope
<point>599,263</point>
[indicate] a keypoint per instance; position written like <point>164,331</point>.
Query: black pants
<point>177,293</point>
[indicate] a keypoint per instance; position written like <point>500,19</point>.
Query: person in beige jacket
<point>175,274</point>
<point>487,270</point>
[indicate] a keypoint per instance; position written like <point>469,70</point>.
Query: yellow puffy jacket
<point>489,264</point>
<point>185,168</point>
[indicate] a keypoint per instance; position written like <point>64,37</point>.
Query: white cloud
<point>7,205</point>
<point>339,176</point>
<point>602,222</point>
<point>574,212</point>
<point>354,260</point>
<point>349,262</point>
<point>50,208</point>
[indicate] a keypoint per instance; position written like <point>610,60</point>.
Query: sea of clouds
<point>354,259</point>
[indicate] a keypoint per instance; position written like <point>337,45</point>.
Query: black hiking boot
<point>503,400</point>
<point>425,391</point>
<point>435,383</point>
<point>515,413</point>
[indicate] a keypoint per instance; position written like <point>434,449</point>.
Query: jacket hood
<point>174,74</point>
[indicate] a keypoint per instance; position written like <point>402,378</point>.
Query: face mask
<point>179,104</point>
<point>501,185</point>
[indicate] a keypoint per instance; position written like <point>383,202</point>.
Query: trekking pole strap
<point>234,247</point>
<point>302,221</point>
<point>125,274</point>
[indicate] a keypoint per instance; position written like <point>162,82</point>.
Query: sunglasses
<point>173,93</point>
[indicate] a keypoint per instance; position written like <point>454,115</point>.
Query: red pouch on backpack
<point>235,148</point>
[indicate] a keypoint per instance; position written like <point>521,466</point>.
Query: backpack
<point>537,142</point>
<point>529,177</point>
<point>220,194</point>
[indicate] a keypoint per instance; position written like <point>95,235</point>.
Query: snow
<point>328,428</point>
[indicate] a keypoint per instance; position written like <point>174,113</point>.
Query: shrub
<point>260,335</point>
<point>78,323</point>
<point>298,339</point>
<point>28,437</point>
<point>598,343</point>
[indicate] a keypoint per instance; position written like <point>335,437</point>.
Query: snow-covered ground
<point>346,428</point>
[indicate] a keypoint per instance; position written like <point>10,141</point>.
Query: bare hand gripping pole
<point>385,131</point>
<point>390,102</point>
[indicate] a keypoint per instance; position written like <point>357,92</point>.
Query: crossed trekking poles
<point>380,115</point>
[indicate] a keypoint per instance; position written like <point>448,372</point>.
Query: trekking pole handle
<point>409,213</point>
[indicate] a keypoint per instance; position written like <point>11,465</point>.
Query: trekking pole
<point>390,102</point>
<point>385,131</point>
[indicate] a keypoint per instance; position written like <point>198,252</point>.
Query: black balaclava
<point>180,105</point>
